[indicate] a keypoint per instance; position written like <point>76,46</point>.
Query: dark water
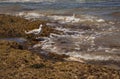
<point>91,7</point>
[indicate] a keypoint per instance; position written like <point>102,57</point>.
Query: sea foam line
<point>60,19</point>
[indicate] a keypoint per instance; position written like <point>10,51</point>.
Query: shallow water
<point>18,40</point>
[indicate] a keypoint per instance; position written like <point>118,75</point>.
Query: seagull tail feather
<point>26,32</point>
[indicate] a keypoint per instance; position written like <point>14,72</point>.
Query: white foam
<point>39,44</point>
<point>74,59</point>
<point>94,57</point>
<point>72,46</point>
<point>30,15</point>
<point>65,19</point>
<point>100,20</point>
<point>51,24</point>
<point>59,18</point>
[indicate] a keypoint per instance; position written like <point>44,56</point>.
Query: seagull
<point>70,18</point>
<point>35,31</point>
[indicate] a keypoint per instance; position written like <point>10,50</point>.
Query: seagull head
<point>40,26</point>
<point>73,15</point>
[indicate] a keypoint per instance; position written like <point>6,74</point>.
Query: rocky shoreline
<point>18,62</point>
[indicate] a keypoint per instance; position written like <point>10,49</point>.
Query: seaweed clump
<point>12,26</point>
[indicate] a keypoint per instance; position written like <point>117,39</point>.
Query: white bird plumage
<point>35,31</point>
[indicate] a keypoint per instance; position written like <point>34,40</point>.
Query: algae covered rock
<point>12,26</point>
<point>12,54</point>
<point>17,63</point>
